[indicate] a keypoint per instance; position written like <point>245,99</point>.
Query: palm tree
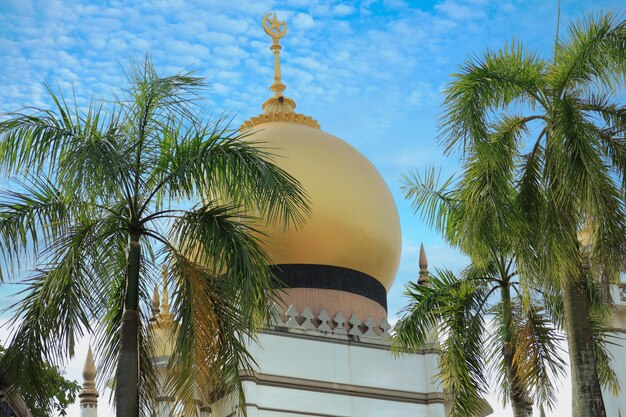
<point>568,160</point>
<point>482,325</point>
<point>482,335</point>
<point>106,195</point>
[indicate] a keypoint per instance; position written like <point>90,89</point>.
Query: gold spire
<point>165,302</point>
<point>277,108</point>
<point>155,307</point>
<point>278,103</point>
<point>423,262</point>
<point>89,395</point>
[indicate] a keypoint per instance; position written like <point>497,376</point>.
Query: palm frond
<point>30,217</point>
<point>591,55</point>
<point>484,84</point>
<point>56,310</point>
<point>462,362</point>
<point>214,163</point>
<point>452,307</point>
<point>603,338</point>
<point>223,240</point>
<point>430,197</point>
<point>211,333</point>
<point>95,162</point>
<point>538,353</point>
<point>486,217</point>
<point>107,334</point>
<point>420,317</point>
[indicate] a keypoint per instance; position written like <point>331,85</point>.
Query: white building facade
<point>307,369</point>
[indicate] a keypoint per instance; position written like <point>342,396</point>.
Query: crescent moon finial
<point>276,29</point>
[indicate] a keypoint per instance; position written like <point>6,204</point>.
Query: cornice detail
<point>279,117</point>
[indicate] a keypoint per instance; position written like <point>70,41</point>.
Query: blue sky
<point>370,72</point>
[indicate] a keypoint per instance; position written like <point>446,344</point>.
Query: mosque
<point>325,352</point>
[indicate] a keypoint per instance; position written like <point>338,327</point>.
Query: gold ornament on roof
<point>277,108</point>
<point>424,275</point>
<point>89,394</point>
<point>277,30</point>
<point>165,316</point>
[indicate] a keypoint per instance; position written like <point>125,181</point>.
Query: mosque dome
<point>348,250</point>
<point>354,221</point>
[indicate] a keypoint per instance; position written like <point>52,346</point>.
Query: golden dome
<point>354,221</point>
<point>345,257</point>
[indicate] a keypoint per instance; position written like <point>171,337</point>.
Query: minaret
<point>166,315</point>
<point>89,394</point>
<point>423,275</point>
<point>155,305</point>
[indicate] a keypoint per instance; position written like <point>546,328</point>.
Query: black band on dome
<point>329,277</point>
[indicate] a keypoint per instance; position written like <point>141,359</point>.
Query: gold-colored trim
<point>279,117</point>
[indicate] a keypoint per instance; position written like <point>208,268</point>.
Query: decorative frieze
<point>309,322</point>
<point>279,117</point>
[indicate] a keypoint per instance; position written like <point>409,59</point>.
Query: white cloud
<point>230,52</point>
<point>215,38</point>
<point>310,63</point>
<point>303,21</point>
<point>457,11</point>
<point>343,10</point>
<point>395,4</point>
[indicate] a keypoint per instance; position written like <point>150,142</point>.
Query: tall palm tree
<point>483,326</point>
<point>569,162</point>
<point>104,197</point>
<point>484,332</point>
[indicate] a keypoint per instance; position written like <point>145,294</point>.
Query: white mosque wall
<point>303,373</point>
<point>88,410</point>
<point>348,362</point>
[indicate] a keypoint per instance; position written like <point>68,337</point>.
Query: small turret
<point>166,315</point>
<point>423,275</point>
<point>155,305</point>
<point>89,394</point>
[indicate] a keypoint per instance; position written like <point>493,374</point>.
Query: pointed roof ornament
<point>277,108</point>
<point>165,302</point>
<point>278,103</point>
<point>423,263</point>
<point>89,394</point>
<point>155,305</point>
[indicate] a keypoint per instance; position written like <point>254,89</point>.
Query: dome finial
<point>278,103</point>
<point>89,394</point>
<point>165,299</point>
<point>277,108</point>
<point>156,303</point>
<point>423,275</point>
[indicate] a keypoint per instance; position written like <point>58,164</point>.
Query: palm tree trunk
<point>518,394</point>
<point>586,391</point>
<point>127,374</point>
